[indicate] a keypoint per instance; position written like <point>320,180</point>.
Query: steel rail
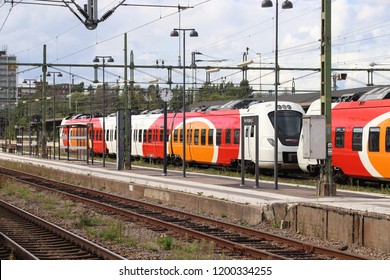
<point>80,241</point>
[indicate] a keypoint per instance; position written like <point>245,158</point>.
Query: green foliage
<point>113,233</point>
<point>228,91</point>
<point>85,220</point>
<point>24,192</point>
<point>165,242</point>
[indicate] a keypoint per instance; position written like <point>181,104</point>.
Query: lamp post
<point>286,5</point>
<point>29,82</point>
<point>96,60</point>
<point>59,74</point>
<point>175,33</point>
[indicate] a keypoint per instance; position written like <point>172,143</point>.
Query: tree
<point>212,92</point>
<point>78,87</point>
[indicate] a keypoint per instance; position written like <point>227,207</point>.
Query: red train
<point>360,138</point>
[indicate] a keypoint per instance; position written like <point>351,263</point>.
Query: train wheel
<point>250,168</point>
<point>339,177</point>
<point>177,161</point>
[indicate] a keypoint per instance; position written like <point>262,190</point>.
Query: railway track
<point>28,237</point>
<point>242,241</point>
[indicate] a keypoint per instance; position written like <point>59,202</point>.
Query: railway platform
<point>221,187</point>
<point>350,217</point>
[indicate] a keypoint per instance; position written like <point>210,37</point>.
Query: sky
<point>230,31</point>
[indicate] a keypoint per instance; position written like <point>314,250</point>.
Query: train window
<point>373,139</point>
<point>150,135</point>
<point>252,131</point>
<point>196,136</point>
<point>155,135</point>
<point>181,135</point>
<point>339,141</point>
<point>115,134</point>
<point>144,136</point>
<point>140,135</point>
<point>175,134</point>
<point>387,139</point>
<point>357,135</point>
<point>211,137</point>
<point>228,135</point>
<point>203,137</point>
<point>219,137</point>
<point>161,135</point>
<point>236,136</point>
<point>246,131</point>
<point>289,126</point>
<point>167,135</point>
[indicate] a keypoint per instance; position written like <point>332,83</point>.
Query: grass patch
<point>165,242</point>
<point>85,221</point>
<point>113,233</point>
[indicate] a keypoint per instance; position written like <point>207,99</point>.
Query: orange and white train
<point>212,137</point>
<point>360,140</point>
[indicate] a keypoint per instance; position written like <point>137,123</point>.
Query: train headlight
<point>271,141</point>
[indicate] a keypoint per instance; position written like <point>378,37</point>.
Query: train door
<point>111,142</point>
<point>138,141</point>
<point>155,142</point>
<point>249,141</point>
<point>250,137</point>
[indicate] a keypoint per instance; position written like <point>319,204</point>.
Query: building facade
<point>8,88</point>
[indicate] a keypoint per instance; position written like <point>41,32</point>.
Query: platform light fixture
<point>29,82</point>
<point>59,74</point>
<point>175,33</point>
<point>105,58</point>
<point>286,5</point>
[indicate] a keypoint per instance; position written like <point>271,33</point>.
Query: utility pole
<point>43,100</point>
<point>326,187</point>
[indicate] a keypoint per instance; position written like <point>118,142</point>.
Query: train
<point>360,140</point>
<point>212,137</point>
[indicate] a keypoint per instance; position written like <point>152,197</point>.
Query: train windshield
<point>289,126</point>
